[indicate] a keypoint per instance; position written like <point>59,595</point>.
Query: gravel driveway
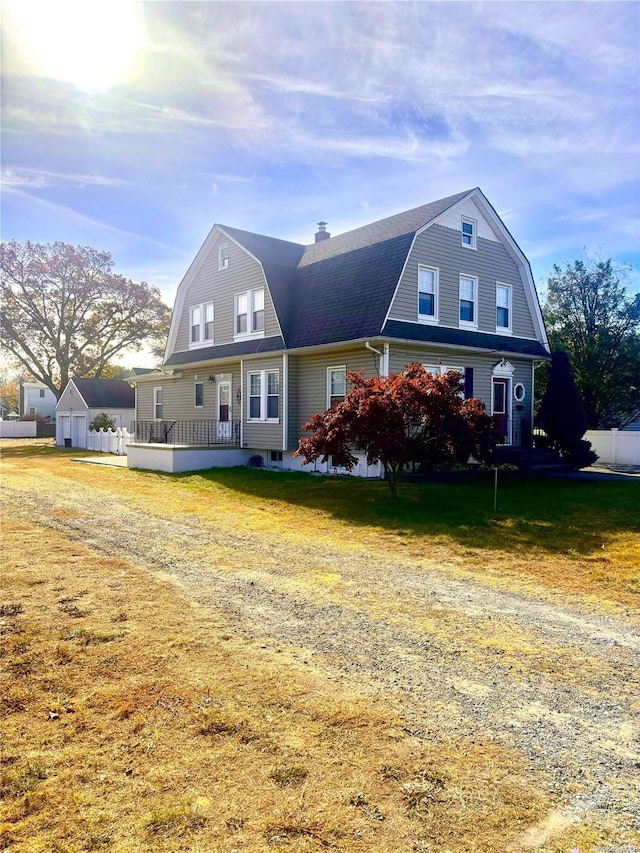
<point>558,680</point>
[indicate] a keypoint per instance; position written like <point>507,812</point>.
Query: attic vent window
<point>223,257</point>
<point>469,233</point>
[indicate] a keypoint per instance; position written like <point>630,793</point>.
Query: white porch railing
<point>109,440</point>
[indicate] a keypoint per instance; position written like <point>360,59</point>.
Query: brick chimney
<point>322,233</point>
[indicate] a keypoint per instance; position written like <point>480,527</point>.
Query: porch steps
<point>532,460</point>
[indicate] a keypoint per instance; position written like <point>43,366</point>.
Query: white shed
<point>83,399</point>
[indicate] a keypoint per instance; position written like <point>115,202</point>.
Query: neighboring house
<point>83,399</point>
<point>4,411</point>
<point>37,399</point>
<point>264,331</point>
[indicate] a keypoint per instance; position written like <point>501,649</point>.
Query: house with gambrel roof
<point>264,330</point>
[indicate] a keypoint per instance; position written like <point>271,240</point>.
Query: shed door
<point>78,431</point>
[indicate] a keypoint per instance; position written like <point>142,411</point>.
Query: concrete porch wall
<point>174,459</point>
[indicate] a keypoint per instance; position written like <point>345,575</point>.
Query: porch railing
<point>206,432</point>
<point>517,432</point>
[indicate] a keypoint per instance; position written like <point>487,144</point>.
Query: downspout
<point>382,371</point>
<point>377,352</point>
<point>285,401</point>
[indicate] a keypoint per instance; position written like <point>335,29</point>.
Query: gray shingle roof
<point>407,222</point>
<point>106,393</point>
<point>250,347</point>
<point>340,289</point>
<point>346,296</point>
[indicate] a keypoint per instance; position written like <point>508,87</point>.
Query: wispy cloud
<point>39,178</point>
<point>327,104</point>
<point>76,218</point>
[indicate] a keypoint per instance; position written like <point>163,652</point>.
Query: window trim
<point>202,340</point>
<point>505,330</point>
<point>519,392</point>
<point>264,396</point>
<point>250,333</point>
<point>156,404</point>
<point>333,367</point>
<point>467,220</point>
<point>223,261</point>
<point>430,318</point>
<point>468,324</point>
<point>197,405</point>
<point>441,369</point>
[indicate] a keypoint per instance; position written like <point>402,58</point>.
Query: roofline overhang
<point>379,338</point>
<point>479,350</point>
<point>153,377</point>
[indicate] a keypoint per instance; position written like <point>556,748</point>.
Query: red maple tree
<point>400,419</point>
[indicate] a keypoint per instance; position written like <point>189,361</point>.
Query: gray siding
<point>178,394</point>
<point>70,400</point>
<point>262,435</point>
<point>219,286</point>
<point>311,383</point>
<point>490,263</point>
<point>400,356</point>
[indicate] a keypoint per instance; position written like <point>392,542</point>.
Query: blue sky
<point>134,127</point>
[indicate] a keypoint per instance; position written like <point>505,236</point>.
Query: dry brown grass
<point>133,722</point>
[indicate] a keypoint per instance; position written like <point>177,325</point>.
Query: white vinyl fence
<point>109,440</point>
<point>620,447</point>
<point>18,429</point>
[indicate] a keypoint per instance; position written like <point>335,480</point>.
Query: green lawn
<point>559,516</point>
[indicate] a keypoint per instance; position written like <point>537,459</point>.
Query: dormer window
<point>468,301</point>
<point>469,229</point>
<point>223,257</point>
<point>503,308</point>
<point>427,294</point>
<point>249,313</point>
<point>201,324</point>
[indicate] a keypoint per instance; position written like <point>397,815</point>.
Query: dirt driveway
<point>554,677</point>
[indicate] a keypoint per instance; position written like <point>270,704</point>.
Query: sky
<point>134,127</point>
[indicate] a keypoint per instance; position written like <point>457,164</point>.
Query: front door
<point>223,426</point>
<point>500,408</point>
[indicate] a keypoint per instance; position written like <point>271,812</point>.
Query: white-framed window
<point>503,307</point>
<point>201,324</point>
<point>257,310</point>
<point>242,301</point>
<point>441,369</point>
<point>198,395</point>
<point>223,257</point>
<point>469,301</point>
<point>157,403</point>
<point>336,385</point>
<point>469,231</point>
<point>32,410</point>
<point>42,392</point>
<point>263,398</point>
<point>428,293</point>
<point>249,313</point>
<point>195,324</point>
<point>275,456</point>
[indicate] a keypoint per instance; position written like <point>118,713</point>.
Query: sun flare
<point>91,44</point>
